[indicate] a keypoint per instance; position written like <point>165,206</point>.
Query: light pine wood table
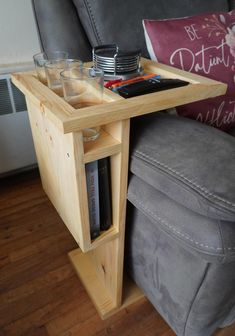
<point>62,155</point>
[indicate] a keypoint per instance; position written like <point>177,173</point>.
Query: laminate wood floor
<point>40,295</point>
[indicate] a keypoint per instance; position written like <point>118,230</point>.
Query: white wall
<point>18,35</point>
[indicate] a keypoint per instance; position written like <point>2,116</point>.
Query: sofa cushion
<point>192,163</point>
<point>59,28</point>
<point>119,22</point>
<point>231,4</point>
<point>213,240</point>
<point>205,45</point>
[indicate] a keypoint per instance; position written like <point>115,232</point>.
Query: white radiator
<point>16,144</point>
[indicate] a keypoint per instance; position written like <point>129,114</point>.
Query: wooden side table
<point>62,155</point>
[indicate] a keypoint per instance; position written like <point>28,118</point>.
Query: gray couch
<point>180,246</point>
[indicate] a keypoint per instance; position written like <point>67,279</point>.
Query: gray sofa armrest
<point>209,239</point>
<point>190,162</point>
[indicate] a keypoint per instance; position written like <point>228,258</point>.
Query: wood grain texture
<point>104,146</point>
<point>116,108</point>
<point>101,269</point>
<point>61,159</point>
<point>40,294</point>
<point>58,158</point>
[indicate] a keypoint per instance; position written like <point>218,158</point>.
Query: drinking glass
<point>53,69</point>
<point>40,60</point>
<point>83,88</point>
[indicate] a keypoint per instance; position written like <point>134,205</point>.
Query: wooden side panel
<point>108,258</point>
<point>102,267</point>
<point>58,157</point>
<point>105,263</point>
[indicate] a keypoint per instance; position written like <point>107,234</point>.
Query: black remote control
<point>149,86</point>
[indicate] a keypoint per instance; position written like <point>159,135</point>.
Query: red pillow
<point>203,44</point>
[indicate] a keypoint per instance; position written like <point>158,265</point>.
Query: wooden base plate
<point>96,289</point>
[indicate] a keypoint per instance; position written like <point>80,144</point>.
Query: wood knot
<point>42,108</point>
<point>103,268</point>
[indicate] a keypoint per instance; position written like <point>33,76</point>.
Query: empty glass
<point>53,69</point>
<point>83,88</point>
<point>40,60</point>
